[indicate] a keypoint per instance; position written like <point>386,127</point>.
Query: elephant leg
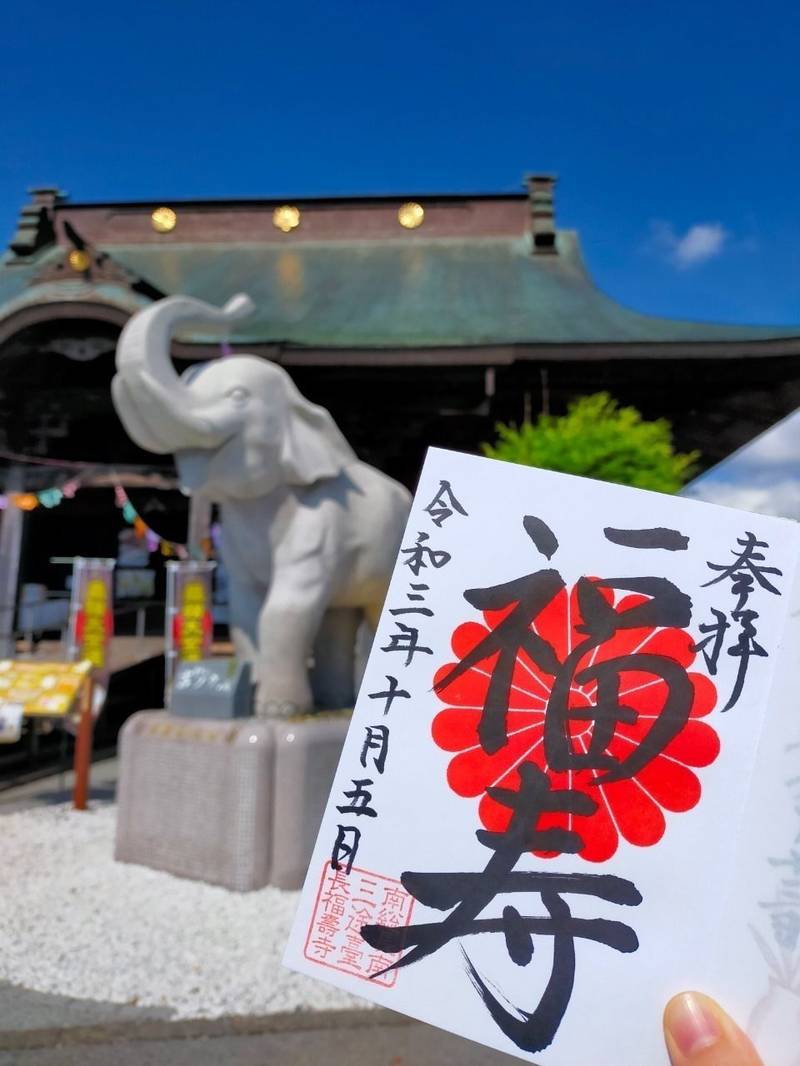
<point>287,627</point>
<point>332,676</point>
<point>244,604</point>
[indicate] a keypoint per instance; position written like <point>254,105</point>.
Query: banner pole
<point>83,748</point>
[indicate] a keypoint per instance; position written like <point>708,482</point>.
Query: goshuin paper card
<point>571,785</point>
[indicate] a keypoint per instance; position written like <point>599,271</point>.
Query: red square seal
<point>344,903</point>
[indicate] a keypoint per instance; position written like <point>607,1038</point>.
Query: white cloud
<point>701,242</point>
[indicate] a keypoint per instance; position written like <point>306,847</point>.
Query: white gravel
<point>73,922</point>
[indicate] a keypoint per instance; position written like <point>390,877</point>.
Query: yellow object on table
<point>44,690</point>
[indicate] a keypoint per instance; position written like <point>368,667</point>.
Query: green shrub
<point>598,438</point>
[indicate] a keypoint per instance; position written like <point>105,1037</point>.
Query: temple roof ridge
<point>489,274</point>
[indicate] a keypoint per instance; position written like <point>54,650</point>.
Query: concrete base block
<point>233,803</point>
<point>306,756</point>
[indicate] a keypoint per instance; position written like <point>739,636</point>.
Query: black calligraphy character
<point>407,640</point>
<point>527,596</point>
<point>394,692</point>
<point>745,646</point>
<point>744,572</point>
<point>342,849</point>
<point>414,597</point>
<point>418,555</point>
<point>467,895</point>
<point>530,595</point>
<point>361,798</point>
<point>671,540</point>
<point>377,739</point>
<point>716,638</point>
<point>664,605</point>
<point>745,569</point>
<point>443,504</point>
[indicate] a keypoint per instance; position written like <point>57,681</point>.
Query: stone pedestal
<point>233,803</point>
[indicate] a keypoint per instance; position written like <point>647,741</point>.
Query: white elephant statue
<point>310,534</point>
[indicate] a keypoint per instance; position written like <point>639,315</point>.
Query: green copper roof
<point>388,294</point>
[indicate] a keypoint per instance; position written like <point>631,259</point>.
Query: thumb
<point>698,1032</point>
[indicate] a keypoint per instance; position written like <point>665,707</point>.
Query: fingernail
<point>692,1025</point>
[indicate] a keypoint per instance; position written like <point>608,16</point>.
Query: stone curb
<point>191,1028</point>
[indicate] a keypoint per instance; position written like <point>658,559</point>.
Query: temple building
<point>416,322</point>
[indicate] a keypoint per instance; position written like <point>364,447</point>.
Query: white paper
<point>757,965</point>
<point>11,715</point>
<point>671,824</point>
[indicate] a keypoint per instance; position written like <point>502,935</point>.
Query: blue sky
<point>673,128</point>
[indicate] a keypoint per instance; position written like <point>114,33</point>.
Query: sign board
<point>44,690</point>
<point>571,784</point>
<point>212,688</point>
<point>91,623</point>
<point>11,715</point>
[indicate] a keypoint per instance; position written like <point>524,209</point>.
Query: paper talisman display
<point>571,785</point>
<point>91,616</point>
<point>189,617</point>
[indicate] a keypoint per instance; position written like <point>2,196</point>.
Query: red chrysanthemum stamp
<point>628,708</point>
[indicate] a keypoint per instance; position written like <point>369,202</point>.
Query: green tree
<point>597,438</point>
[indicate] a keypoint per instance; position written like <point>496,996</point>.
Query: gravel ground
<point>74,922</point>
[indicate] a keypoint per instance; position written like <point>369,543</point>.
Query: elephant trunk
<point>153,403</point>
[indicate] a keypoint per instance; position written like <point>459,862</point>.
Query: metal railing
<point>30,635</point>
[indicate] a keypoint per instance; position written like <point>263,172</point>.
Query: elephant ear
<point>313,445</point>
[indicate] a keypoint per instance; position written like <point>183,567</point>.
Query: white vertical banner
<point>189,622</point>
<point>91,613</point>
